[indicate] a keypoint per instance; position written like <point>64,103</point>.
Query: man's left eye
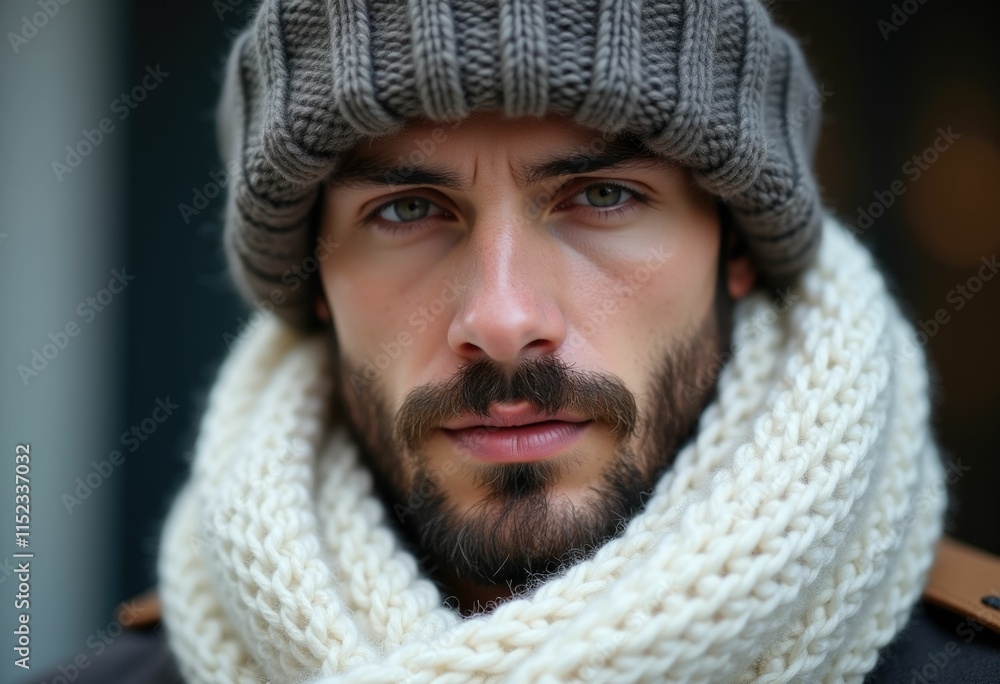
<point>408,210</point>
<point>602,195</point>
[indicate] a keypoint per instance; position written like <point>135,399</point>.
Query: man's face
<point>527,325</point>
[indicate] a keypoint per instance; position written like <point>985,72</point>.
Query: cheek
<point>357,305</point>
<point>388,328</point>
<point>657,292</point>
<point>388,299</point>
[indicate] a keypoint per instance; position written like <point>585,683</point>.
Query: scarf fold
<point>788,542</point>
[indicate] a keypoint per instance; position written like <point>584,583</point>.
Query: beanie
<point>714,86</point>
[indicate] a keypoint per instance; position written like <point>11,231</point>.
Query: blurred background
<point>115,308</point>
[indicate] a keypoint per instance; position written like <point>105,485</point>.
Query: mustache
<point>548,384</point>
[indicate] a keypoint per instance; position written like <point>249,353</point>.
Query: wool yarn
<point>788,542</point>
<point>712,85</point>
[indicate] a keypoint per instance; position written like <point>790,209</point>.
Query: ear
<point>741,274</point>
<point>741,271</point>
<point>322,308</point>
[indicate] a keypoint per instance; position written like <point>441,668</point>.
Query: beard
<point>521,530</point>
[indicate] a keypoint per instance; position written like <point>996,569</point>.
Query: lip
<point>514,434</point>
<point>507,416</point>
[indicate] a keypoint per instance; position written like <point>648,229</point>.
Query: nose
<point>510,308</point>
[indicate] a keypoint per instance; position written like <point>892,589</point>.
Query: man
<point>563,372</point>
<point>520,303</point>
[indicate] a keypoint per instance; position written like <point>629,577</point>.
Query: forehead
<point>484,127</point>
<point>534,148</point>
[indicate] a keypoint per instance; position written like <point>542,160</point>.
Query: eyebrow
<point>380,169</point>
<point>614,154</point>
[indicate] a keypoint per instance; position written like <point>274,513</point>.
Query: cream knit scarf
<point>787,543</point>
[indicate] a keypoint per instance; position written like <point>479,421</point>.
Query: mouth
<point>514,434</point>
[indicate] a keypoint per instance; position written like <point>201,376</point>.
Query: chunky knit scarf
<point>787,543</point>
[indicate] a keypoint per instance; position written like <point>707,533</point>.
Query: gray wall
<point>60,239</point>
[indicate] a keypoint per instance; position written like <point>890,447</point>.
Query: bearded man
<point>561,370</point>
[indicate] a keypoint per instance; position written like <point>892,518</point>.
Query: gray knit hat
<point>712,85</point>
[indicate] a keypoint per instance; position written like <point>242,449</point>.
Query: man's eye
<point>602,195</point>
<point>407,209</point>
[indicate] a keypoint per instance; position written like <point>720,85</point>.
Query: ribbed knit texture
<point>714,86</point>
<point>787,543</point>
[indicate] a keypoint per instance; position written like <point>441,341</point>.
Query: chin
<point>507,524</point>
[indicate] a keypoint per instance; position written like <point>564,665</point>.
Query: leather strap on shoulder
<point>140,612</point>
<point>966,580</point>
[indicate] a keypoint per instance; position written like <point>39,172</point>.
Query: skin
<point>503,269</point>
